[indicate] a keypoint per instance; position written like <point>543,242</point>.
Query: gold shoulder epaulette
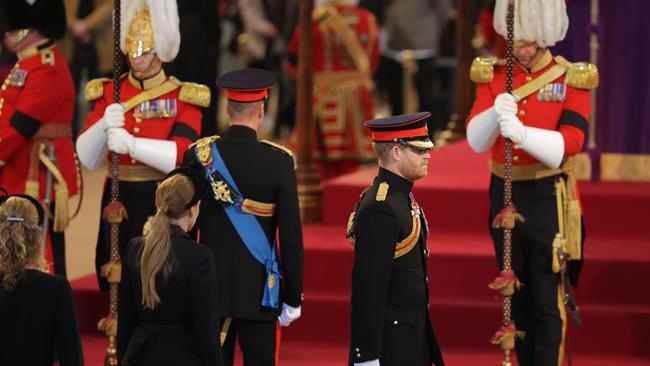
<point>95,89</point>
<point>321,12</point>
<point>482,70</point>
<point>282,148</point>
<point>382,191</point>
<point>193,93</point>
<point>47,57</point>
<point>581,75</point>
<point>203,148</point>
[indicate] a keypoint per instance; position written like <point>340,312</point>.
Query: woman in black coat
<point>37,312</point>
<point>168,312</point>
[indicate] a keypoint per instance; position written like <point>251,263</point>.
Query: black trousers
<point>139,199</point>
<point>257,342</point>
<point>537,308</point>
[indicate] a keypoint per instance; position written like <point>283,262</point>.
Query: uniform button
<point>4,86</point>
<point>426,279</point>
<point>133,161</point>
<point>136,129</point>
<point>428,306</point>
<point>356,350</point>
<point>515,158</point>
<point>522,112</point>
<point>529,78</point>
<point>395,322</point>
<point>524,101</point>
<point>358,355</point>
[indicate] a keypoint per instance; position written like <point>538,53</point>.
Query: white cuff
<point>483,130</point>
<point>158,154</point>
<point>374,362</point>
<point>547,146</point>
<point>91,146</point>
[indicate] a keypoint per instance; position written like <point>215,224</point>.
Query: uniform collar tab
<point>150,82</point>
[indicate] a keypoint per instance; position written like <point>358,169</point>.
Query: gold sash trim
<point>331,17</point>
<point>154,93</point>
<point>138,173</point>
<point>341,78</point>
<point>408,243</point>
<point>257,208</point>
<point>534,85</point>
<point>524,172</point>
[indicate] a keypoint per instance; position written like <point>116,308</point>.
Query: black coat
<point>390,296</point>
<point>263,173</point>
<point>184,328</point>
<point>38,319</point>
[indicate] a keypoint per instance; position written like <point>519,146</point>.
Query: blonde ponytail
<point>172,196</point>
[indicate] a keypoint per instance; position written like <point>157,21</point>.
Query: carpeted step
<point>455,197</point>
<point>606,329</point>
<point>300,353</point>
<point>461,265</point>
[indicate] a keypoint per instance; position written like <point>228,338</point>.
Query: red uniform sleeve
<point>574,119</point>
<point>484,100</point>
<point>186,129</point>
<point>38,104</point>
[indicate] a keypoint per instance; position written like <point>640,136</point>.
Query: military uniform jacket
<point>173,116</point>
<point>184,327</point>
<point>38,92</point>
<point>390,294</point>
<point>562,105</point>
<point>264,173</point>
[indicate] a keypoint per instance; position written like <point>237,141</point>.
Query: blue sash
<point>250,231</point>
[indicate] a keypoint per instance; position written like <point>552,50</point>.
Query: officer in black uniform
<point>260,183</point>
<point>390,295</point>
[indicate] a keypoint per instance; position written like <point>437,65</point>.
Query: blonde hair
<point>21,243</point>
<point>172,197</point>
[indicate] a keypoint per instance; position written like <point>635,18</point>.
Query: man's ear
<point>395,153</point>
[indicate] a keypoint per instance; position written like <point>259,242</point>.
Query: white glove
<point>113,116</point>
<point>512,128</point>
<point>374,362</point>
<point>120,141</point>
<point>289,314</point>
<point>505,104</point>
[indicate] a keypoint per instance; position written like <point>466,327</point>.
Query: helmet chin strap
<point>20,36</point>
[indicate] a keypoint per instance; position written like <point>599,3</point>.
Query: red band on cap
<point>246,95</point>
<point>399,134</point>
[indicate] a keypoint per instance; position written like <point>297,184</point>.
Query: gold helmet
<point>139,38</point>
<point>150,26</point>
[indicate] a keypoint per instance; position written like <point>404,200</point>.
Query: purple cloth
<point>623,99</point>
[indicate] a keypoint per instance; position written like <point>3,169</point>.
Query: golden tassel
<point>573,218</point>
<point>557,246</point>
<point>32,189</point>
<point>108,325</point>
<point>507,218</point>
<point>505,337</point>
<point>114,212</point>
<point>112,271</point>
<point>61,218</point>
<point>506,283</point>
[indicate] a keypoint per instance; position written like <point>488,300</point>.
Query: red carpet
<point>614,299</point>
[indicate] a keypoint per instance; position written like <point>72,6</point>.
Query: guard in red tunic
<point>546,118</point>
<point>155,122</point>
<point>345,45</point>
<point>36,102</point>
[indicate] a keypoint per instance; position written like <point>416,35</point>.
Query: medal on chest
<point>553,92</point>
<point>157,108</point>
<point>16,78</point>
